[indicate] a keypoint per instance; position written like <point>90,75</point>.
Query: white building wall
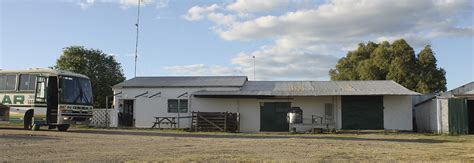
<point>145,108</point>
<point>249,108</point>
<point>398,112</point>
<point>443,105</point>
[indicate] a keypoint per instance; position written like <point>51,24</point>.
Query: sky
<point>290,39</point>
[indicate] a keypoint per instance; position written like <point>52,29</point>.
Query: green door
<point>273,116</point>
<point>362,112</point>
<point>458,116</point>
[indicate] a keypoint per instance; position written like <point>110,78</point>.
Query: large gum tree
<point>397,62</point>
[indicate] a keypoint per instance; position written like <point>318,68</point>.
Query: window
<point>173,106</point>
<point>27,82</point>
<point>40,90</point>
<point>75,90</point>
<point>3,83</point>
<point>7,82</point>
<point>11,82</point>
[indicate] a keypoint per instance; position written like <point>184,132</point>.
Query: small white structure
<point>263,105</point>
<point>448,112</point>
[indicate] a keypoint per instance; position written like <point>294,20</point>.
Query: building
<point>451,112</point>
<point>263,105</point>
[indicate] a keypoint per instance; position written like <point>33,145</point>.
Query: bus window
<point>40,89</point>
<point>8,83</point>
<point>27,82</point>
<point>3,82</point>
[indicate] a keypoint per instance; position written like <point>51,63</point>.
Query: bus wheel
<point>28,120</point>
<point>63,127</point>
<point>35,127</point>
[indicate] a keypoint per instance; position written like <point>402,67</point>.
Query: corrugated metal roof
<point>469,92</point>
<point>314,88</point>
<point>183,81</point>
<point>464,90</point>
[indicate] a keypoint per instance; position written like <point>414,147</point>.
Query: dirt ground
<point>141,145</point>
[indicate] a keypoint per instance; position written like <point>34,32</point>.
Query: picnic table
<point>171,121</point>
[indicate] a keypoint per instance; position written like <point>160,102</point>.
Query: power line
<point>136,39</point>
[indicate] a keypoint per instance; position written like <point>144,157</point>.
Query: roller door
<point>362,112</point>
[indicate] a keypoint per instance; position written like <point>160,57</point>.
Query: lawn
<point>84,144</point>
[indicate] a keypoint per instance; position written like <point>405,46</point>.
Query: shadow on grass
<point>243,136</point>
<point>27,137</point>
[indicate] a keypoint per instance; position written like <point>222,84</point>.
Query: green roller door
<point>273,116</point>
<point>362,112</point>
<point>458,116</point>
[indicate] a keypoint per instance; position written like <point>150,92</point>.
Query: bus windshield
<point>75,90</point>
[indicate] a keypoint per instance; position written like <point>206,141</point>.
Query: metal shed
<point>361,102</point>
<point>448,112</point>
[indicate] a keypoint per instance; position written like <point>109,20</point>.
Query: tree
<point>403,69</point>
<point>396,61</point>
<point>432,79</point>
<point>102,69</point>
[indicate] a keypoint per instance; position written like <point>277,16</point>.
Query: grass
<point>92,144</point>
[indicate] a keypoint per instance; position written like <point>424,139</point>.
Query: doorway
<point>273,116</point>
<point>362,112</point>
<point>52,100</point>
<point>126,113</point>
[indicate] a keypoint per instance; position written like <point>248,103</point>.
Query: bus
<point>45,97</point>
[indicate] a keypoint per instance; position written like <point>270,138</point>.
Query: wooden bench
<point>171,121</point>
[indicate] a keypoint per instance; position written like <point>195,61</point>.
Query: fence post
<point>107,116</point>
<point>225,122</point>
<point>197,121</point>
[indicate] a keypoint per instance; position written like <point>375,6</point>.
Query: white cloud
<point>123,3</point>
<point>270,63</point>
<point>301,36</point>
<point>250,6</point>
<point>342,19</point>
<point>282,64</point>
<point>201,69</point>
<point>162,3</point>
<point>198,13</point>
<point>129,3</point>
<point>221,19</point>
<point>86,3</point>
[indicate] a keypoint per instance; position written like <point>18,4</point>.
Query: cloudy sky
<point>290,39</point>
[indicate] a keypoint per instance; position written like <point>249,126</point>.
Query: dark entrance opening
<point>52,100</point>
<point>470,114</point>
<point>273,116</point>
<point>362,112</point>
<point>126,114</point>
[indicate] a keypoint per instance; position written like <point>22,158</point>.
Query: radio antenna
<point>254,74</point>
<point>136,39</point>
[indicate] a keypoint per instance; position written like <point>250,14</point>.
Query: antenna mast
<point>254,74</point>
<point>136,39</point>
